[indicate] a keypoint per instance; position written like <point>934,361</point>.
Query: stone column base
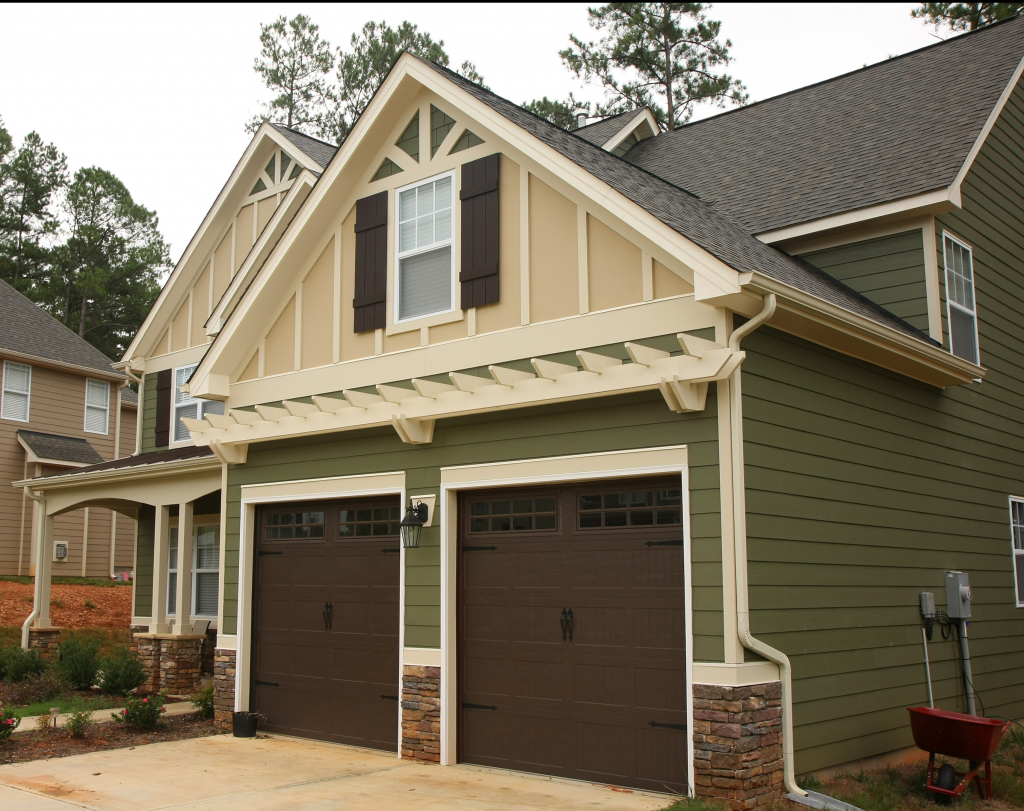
<point>737,737</point>
<point>46,641</point>
<point>223,688</point>
<point>421,713</point>
<point>172,663</point>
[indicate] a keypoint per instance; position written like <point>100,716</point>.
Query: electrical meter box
<point>958,596</point>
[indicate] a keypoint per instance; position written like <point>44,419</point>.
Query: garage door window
<point>360,522</point>
<point>644,508</point>
<point>295,526</point>
<point>514,515</point>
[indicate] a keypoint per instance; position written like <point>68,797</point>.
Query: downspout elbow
<point>35,592</point>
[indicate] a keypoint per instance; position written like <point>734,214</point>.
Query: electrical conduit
<point>740,530</point>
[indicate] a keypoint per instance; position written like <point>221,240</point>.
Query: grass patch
<point>109,639</point>
<point>697,804</point>
<point>67,581</point>
<point>69,703</point>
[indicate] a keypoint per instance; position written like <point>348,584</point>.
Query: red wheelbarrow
<point>967,737</point>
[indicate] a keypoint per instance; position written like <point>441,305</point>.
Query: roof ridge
<point>302,134</point>
<point>839,76</point>
<point>605,119</point>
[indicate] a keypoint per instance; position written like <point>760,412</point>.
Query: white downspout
<point>740,530</point>
<point>36,586</point>
<point>117,454</point>
<point>138,409</point>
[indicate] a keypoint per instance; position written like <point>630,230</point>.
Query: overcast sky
<point>159,95</point>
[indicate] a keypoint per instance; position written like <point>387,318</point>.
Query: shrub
<point>44,722</point>
<point>203,701</point>
<point>42,687</point>
<point>141,713</point>
<point>19,663</point>
<point>79,661</point>
<point>8,723</point>
<point>121,673</point>
<point>78,723</point>
<point>90,604</point>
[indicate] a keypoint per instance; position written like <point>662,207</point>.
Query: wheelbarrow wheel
<point>946,780</point>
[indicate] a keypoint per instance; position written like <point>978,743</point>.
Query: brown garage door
<point>325,657</point>
<point>571,632</point>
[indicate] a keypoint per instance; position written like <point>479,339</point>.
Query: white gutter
<point>739,502</point>
<point>36,597</point>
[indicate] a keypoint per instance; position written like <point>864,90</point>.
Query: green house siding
<point>863,487</point>
<point>148,414</point>
<point>144,540</point>
<point>610,424</point>
<point>888,270</point>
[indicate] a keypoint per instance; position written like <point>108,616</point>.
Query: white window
<point>425,281</point>
<point>97,406</point>
<point>961,309</point>
<point>204,586</point>
<point>185,405</point>
<point>1017,532</point>
<point>17,391</point>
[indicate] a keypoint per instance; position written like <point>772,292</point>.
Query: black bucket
<point>244,724</point>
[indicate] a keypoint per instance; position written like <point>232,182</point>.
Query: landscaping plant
<point>8,723</point>
<point>40,687</point>
<point>203,701</point>
<point>78,723</point>
<point>19,664</point>
<point>121,673</point>
<point>79,661</point>
<point>141,713</point>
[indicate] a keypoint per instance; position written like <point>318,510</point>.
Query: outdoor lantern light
<point>413,523</point>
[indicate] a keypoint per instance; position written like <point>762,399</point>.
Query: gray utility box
<point>958,596</point>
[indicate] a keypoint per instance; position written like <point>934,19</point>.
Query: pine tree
<point>965,16</point>
<point>666,56</point>
<point>560,113</point>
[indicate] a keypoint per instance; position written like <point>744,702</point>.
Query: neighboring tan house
<point>695,416</point>
<point>63,407</point>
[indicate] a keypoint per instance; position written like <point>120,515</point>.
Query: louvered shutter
<point>163,408</point>
<point>479,195</point>
<point>371,280</point>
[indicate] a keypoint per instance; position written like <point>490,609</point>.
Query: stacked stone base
<point>223,688</point>
<point>172,663</point>
<point>737,736</point>
<point>46,641</point>
<point>421,713</point>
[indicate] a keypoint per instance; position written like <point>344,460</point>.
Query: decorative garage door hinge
<point>267,683</point>
<point>467,706</point>
<point>668,726</point>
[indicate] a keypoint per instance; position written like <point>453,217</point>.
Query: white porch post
<point>44,565</point>
<point>183,602</point>
<point>160,547</point>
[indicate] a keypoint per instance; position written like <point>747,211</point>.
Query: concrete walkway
<point>264,774</point>
<point>28,724</point>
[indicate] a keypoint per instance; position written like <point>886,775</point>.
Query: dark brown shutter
<point>371,262</point>
<point>163,408</point>
<point>479,195</point>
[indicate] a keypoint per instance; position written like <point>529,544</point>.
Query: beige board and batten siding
<point>863,487</point>
<point>617,423</point>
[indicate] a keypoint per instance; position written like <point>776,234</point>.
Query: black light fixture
<point>413,523</point>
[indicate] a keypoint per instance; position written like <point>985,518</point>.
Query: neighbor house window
<point>425,283</point>
<point>960,300</point>
<point>1017,531</point>
<point>97,406</point>
<point>204,586</point>
<point>17,388</point>
<point>185,405</point>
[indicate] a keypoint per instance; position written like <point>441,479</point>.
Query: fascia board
<point>155,319</point>
<point>985,131</point>
<point>289,207</point>
<point>66,480</point>
<point>931,202</point>
<point>644,115</point>
<point>948,367</point>
<point>88,371</point>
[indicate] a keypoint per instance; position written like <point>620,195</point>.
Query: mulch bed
<point>113,605</point>
<point>36,745</point>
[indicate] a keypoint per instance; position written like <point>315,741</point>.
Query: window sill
<point>434,320</point>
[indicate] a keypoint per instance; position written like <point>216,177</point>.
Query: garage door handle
<point>328,616</point>
<point>681,727</point>
<point>467,706</point>
<point>565,624</point>
<point>267,683</point>
<point>572,623</point>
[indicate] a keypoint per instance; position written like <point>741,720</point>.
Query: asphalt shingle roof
<point>600,131</point>
<point>130,397</point>
<point>888,131</point>
<point>29,330</point>
<point>62,448</point>
<point>686,214</point>
<point>152,458</point>
<point>319,151</point>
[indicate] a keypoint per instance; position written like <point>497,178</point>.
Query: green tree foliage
<point>105,277</point>
<point>30,177</point>
<point>666,56</point>
<point>560,113</point>
<point>964,16</point>
<point>295,63</point>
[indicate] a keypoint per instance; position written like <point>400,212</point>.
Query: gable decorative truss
<point>413,410</point>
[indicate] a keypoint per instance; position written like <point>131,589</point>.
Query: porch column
<point>160,547</point>
<point>44,564</point>
<point>183,602</point>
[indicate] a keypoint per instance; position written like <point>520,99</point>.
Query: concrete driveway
<point>237,774</point>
